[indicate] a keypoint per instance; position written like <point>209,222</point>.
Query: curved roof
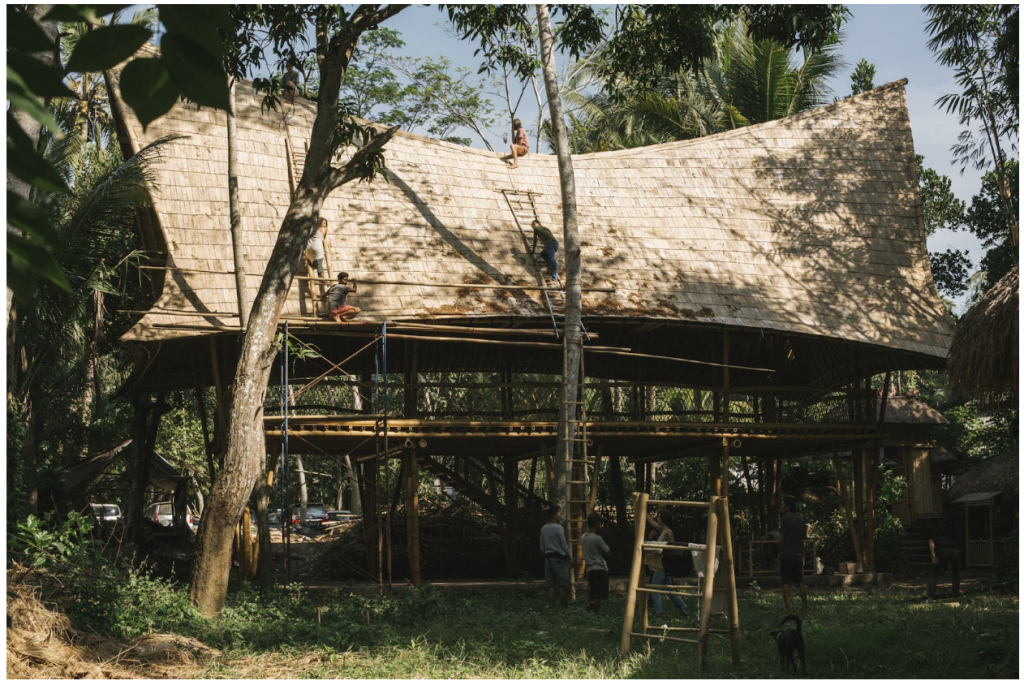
<point>810,225</point>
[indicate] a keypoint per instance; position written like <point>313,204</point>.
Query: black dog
<point>790,641</point>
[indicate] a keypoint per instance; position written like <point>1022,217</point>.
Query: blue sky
<point>892,37</point>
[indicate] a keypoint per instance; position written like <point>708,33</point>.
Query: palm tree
<point>748,82</point>
<point>57,335</point>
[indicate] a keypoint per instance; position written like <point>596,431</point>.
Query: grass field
<point>878,633</point>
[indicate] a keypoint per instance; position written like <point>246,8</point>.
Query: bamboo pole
<point>639,509</point>
<point>709,582</point>
<point>730,579</point>
<point>844,493</point>
<point>412,514</point>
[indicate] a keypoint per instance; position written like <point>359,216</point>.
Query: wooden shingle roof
<point>809,225</point>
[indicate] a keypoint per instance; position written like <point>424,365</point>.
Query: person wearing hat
<point>595,549</point>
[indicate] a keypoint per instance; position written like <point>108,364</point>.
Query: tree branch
<point>355,167</point>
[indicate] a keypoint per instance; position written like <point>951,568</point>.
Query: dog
<point>789,641</point>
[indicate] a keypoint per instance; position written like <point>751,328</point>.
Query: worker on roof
<point>289,85</point>
<point>520,143</point>
<point>335,296</point>
<point>549,250</point>
<point>315,250</point>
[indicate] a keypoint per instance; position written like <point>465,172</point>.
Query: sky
<point>890,36</point>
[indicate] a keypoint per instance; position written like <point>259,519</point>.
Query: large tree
<point>337,33</point>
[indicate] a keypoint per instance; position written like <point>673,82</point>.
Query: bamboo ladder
<point>718,511</point>
<point>296,162</point>
<point>580,466</point>
<point>524,211</point>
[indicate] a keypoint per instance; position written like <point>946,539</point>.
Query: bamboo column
<point>709,583</point>
<point>844,492</point>
<point>410,469</point>
<point>728,562</point>
<point>512,512</point>
<point>639,508</point>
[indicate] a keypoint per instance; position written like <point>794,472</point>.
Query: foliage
<point>987,219</point>
<point>509,633</point>
<point>189,64</point>
<point>965,38</point>
<point>973,438</point>
<point>863,77</point>
<point>47,542</point>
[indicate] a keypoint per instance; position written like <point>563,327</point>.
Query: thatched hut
<point>761,276</point>
<point>985,504</point>
<point>984,357</point>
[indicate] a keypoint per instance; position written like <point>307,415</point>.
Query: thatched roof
<point>907,410</point>
<point>999,474</point>
<point>809,225</point>
<point>983,359</point>
<point>82,474</point>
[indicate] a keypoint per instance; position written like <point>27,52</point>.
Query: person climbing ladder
<point>550,249</point>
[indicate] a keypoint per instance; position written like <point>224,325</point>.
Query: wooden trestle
<point>718,533</point>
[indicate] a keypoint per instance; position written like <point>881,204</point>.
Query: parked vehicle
<point>316,515</point>
<point>163,513</point>
<point>160,512</point>
<point>106,513</point>
<point>339,515</point>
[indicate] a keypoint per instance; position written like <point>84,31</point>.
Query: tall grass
<point>510,633</point>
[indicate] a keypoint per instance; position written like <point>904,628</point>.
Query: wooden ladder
<point>524,211</point>
<point>581,486</point>
<point>637,591</point>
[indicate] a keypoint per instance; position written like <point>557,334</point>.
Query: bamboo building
<point>769,272</point>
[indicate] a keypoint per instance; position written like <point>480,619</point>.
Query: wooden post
<point>371,518</point>
<point>730,570</point>
<point>618,490</point>
<point>410,470</point>
<point>594,482</point>
<point>869,527</point>
<point>639,508</point>
<point>245,546</point>
<point>858,501</point>
<point>725,375</point>
<point>844,493</point>
<point>709,583</point>
<point>512,512</point>
<point>724,477</point>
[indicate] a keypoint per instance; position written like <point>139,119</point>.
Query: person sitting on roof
<point>520,143</point>
<point>288,85</point>
<point>335,296</point>
<point>547,239</point>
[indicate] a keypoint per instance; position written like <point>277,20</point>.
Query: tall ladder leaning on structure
<point>296,162</point>
<point>524,211</point>
<point>580,467</point>
<point>636,592</point>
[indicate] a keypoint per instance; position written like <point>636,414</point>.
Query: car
<point>163,513</point>
<point>316,515</point>
<point>106,513</point>
<point>160,512</point>
<point>339,515</point>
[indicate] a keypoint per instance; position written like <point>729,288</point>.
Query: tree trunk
<point>245,440</point>
<point>29,125</point>
<point>265,560</point>
<point>234,209</point>
<point>573,295</point>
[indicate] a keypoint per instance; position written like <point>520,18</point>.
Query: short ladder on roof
<point>315,290</point>
<point>524,211</point>
<point>637,590</point>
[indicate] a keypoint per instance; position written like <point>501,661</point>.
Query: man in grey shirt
<point>337,309</point>
<point>792,532</point>
<point>557,558</point>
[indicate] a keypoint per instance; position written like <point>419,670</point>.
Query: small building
<point>984,504</point>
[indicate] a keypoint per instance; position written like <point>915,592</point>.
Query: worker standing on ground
<point>943,550</point>
<point>557,558</point>
<point>595,549</point>
<point>520,143</point>
<point>335,296</point>
<point>549,251</point>
<point>792,532</point>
